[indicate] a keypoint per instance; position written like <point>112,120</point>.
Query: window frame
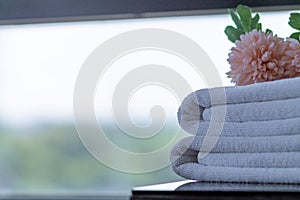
<point>48,11</point>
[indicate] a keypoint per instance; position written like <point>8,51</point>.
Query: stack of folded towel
<point>241,134</point>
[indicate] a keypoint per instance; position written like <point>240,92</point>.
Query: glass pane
<point>40,150</point>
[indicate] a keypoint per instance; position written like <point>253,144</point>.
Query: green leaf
<point>245,16</point>
<point>295,20</point>
<point>232,33</point>
<point>295,36</point>
<point>243,21</point>
<point>268,31</point>
<point>254,21</point>
<point>236,19</point>
<point>258,27</point>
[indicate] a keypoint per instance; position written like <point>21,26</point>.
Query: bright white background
<point>39,63</point>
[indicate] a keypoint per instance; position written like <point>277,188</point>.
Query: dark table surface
<point>215,190</point>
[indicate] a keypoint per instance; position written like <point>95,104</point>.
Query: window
<point>40,150</point>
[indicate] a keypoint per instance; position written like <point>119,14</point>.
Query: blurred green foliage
<point>52,158</point>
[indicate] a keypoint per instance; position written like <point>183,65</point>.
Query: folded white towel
<point>277,100</point>
<point>251,160</point>
<point>245,129</point>
<point>255,111</point>
<point>185,163</point>
<point>285,143</point>
<point>266,91</point>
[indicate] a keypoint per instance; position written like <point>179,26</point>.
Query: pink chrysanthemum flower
<point>292,58</point>
<point>257,57</point>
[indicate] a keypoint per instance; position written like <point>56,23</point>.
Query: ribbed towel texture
<point>256,160</point>
<point>241,134</point>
